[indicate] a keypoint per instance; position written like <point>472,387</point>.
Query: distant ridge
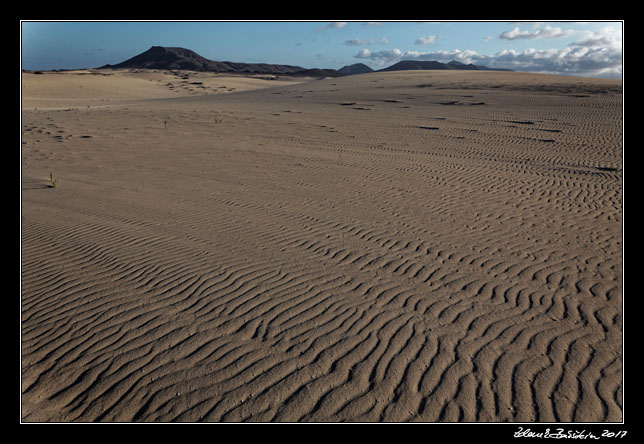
<point>407,65</point>
<point>317,72</point>
<point>161,57</point>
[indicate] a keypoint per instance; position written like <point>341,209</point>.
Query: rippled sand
<point>403,246</point>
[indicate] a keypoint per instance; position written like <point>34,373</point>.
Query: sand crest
<point>403,246</point>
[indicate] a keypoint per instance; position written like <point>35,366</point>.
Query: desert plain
<point>409,246</point>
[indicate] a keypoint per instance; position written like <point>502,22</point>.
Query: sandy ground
<point>99,87</point>
<point>404,246</point>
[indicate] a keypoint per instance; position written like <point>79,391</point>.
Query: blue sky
<point>575,48</point>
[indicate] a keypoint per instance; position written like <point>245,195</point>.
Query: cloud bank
<point>594,54</point>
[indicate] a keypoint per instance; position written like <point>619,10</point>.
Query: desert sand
<point>431,246</point>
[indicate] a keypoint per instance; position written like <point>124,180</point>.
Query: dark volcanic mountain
<point>356,68</point>
<point>406,65</point>
<point>159,57</point>
<point>458,65</point>
<point>317,72</point>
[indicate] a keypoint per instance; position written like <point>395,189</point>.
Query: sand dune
<point>405,246</point>
<point>99,87</point>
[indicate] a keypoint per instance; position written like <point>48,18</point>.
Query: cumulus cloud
<point>604,38</point>
<point>381,57</point>
<point>427,40</point>
<point>544,32</point>
<point>332,25</point>
<point>467,56</point>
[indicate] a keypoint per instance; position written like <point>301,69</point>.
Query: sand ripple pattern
<point>440,253</point>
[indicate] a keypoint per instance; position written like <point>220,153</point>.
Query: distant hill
<point>317,72</point>
<point>458,65</point>
<point>407,65</point>
<point>356,68</point>
<point>161,57</point>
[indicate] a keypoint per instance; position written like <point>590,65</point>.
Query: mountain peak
<point>161,57</point>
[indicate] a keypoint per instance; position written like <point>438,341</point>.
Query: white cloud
<point>361,42</point>
<point>545,32</point>
<point>332,25</point>
<point>381,57</point>
<point>357,42</point>
<point>364,53</point>
<point>488,38</point>
<point>604,38</point>
<point>468,56</point>
<point>372,24</point>
<point>427,40</point>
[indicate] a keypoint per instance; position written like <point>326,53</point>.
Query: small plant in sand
<point>53,183</point>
